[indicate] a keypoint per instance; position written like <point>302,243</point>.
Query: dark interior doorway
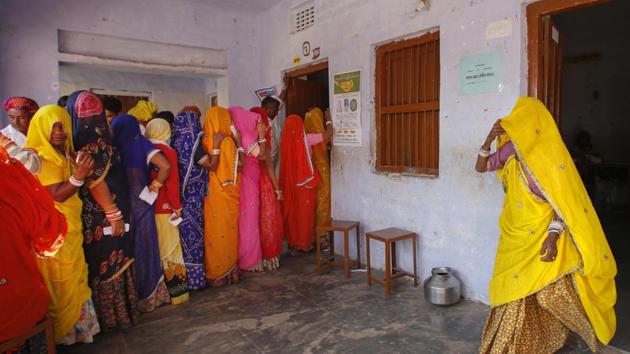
<point>127,102</point>
<point>583,81</point>
<point>308,88</point>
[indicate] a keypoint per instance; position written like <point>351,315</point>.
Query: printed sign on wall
<point>346,108</point>
<point>480,73</point>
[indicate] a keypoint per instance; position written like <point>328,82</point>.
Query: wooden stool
<point>45,325</point>
<point>390,237</point>
<point>345,227</point>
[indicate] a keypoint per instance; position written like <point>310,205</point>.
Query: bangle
<point>215,152</point>
<point>484,153</point>
<point>556,226</point>
<point>329,122</point>
<point>75,182</point>
<point>240,149</point>
<point>263,140</point>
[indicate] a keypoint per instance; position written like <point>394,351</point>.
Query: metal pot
<point>442,287</point>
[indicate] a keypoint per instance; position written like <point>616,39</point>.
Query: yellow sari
<point>584,264</point>
<point>221,206</point>
<point>314,123</point>
<point>66,274</point>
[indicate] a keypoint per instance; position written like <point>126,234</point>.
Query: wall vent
<point>302,17</point>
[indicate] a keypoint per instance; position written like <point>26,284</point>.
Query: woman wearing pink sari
<point>249,251</point>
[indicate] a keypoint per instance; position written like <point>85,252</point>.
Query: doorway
<point>577,66</point>
<point>307,88</point>
<point>127,99</point>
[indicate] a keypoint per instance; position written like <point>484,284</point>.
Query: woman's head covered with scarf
<point>144,111</point>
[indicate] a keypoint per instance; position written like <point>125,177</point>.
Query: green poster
<point>480,73</point>
<point>347,82</point>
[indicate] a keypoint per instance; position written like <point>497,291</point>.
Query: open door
<point>305,94</point>
<point>551,45</point>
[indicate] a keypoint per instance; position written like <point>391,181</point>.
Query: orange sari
<point>314,123</point>
<point>221,206</point>
<point>299,180</point>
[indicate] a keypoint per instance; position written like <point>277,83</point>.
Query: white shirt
<point>15,135</point>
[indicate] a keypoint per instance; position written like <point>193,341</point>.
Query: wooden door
<point>552,57</point>
<point>305,94</point>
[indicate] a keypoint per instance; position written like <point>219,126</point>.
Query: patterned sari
<point>187,134</point>
<point>535,303</point>
<point>314,123</point>
<point>66,274</point>
<point>299,180</point>
<point>168,200</point>
<point>136,153</point>
<point>110,258</point>
<point>221,206</point>
<point>249,252</point>
<point>270,208</point>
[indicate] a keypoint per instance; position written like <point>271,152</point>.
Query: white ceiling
<point>240,5</point>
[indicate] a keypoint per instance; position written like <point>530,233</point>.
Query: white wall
<point>28,38</point>
<point>455,214</point>
<point>171,93</point>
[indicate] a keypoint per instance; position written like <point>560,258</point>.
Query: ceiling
<point>240,5</point>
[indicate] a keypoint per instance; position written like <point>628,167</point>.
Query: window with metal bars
<point>408,105</point>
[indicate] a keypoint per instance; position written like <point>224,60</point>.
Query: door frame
<point>535,13</point>
<point>307,69</point>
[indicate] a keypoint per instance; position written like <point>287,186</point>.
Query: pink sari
<point>249,251</point>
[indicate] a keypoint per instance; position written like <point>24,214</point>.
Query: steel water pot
<point>442,287</point>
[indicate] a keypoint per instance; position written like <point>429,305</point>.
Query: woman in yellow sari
<point>221,206</point>
<point>314,124</point>
<point>66,274</point>
<point>554,271</point>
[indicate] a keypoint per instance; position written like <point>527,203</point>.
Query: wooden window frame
<point>428,106</point>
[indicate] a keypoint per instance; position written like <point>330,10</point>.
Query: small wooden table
<point>345,227</point>
<point>390,237</point>
<point>46,325</point>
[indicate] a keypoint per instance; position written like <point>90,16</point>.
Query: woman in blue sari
<point>186,140</point>
<point>138,154</point>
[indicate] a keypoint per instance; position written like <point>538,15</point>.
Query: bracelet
<point>215,152</point>
<point>556,226</point>
<point>75,182</point>
<point>484,153</point>
<point>329,122</point>
<point>263,140</point>
<point>240,149</point>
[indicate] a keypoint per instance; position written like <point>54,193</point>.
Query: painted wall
<point>455,214</point>
<point>171,93</point>
<point>28,39</point>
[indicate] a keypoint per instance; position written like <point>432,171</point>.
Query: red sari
<point>270,209</point>
<point>299,180</point>
<point>30,225</point>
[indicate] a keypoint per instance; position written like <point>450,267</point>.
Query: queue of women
<point>147,209</point>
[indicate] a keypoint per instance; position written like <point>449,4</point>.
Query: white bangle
<point>556,226</point>
<point>240,149</point>
<point>484,153</point>
<point>75,182</point>
<point>329,122</point>
<point>215,152</point>
<point>263,140</point>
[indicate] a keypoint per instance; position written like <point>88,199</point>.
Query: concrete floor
<point>294,310</point>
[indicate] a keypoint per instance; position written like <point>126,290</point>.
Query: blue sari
<point>135,150</point>
<point>187,133</point>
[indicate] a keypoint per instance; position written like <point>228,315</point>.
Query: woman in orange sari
<point>299,180</point>
<point>221,206</point>
<point>314,124</point>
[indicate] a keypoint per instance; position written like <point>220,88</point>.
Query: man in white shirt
<point>20,110</point>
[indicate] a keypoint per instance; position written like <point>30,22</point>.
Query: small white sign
<point>174,220</point>
<point>107,231</point>
<point>499,29</point>
<point>148,196</point>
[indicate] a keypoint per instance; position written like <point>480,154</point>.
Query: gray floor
<point>294,310</point>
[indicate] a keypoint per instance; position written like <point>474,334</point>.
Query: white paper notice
<point>148,196</point>
<point>174,220</point>
<point>108,230</point>
<point>499,29</point>
<point>346,109</point>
